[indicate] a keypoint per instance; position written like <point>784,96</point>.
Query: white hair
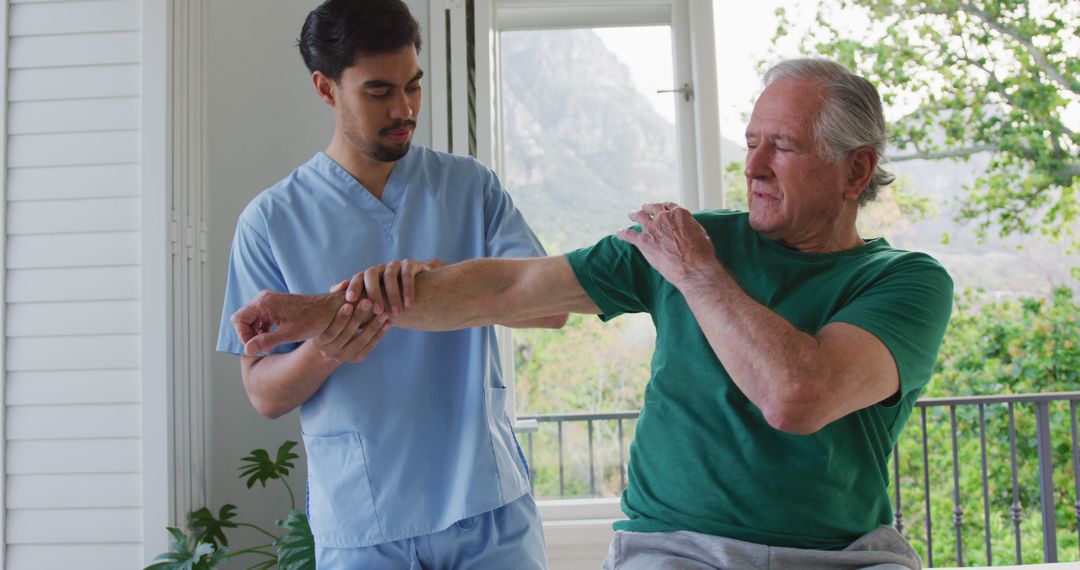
<point>852,116</point>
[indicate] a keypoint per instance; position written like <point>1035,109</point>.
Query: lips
<point>399,135</point>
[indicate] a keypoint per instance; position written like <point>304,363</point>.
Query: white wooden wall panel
<point>66,149</point>
<point>73,182</point>
<point>81,556</point>
<point>72,318</point>
<point>94,284</point>
<point>100,490</point>
<point>73,387</point>
<point>73,115</point>
<point>74,17</point>
<point>73,82</point>
<point>105,352</point>
<point>74,49</point>
<point>73,216</point>
<point>73,250</point>
<point>72,422</point>
<point>44,456</point>
<point>50,526</point>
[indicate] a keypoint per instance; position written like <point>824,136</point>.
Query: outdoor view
<point>984,105</point>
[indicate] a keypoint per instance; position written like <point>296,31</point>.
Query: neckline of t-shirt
<point>868,245</point>
<point>392,192</point>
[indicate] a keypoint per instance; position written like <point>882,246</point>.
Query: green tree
<point>983,77</point>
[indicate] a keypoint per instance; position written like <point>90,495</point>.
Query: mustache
<point>397,126</point>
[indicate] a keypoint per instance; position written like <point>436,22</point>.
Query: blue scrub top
<point>415,437</point>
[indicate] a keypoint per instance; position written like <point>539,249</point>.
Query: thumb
<point>265,342</point>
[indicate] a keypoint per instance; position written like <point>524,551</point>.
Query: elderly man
<point>789,354</point>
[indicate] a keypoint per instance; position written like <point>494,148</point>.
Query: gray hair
<point>852,116</point>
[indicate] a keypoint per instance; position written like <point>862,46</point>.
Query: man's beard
<point>387,153</point>
<point>384,152</point>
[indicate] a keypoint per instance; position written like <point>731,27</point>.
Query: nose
<point>757,162</point>
<point>402,108</point>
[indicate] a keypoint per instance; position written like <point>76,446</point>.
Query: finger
<point>435,263</point>
<point>653,208</point>
<point>364,345</point>
<point>356,287</point>
<point>629,235</point>
<point>392,288</point>
<point>409,269</point>
<point>335,346</point>
<point>339,286</point>
<point>332,332</point>
<point>264,343</point>
<point>247,320</point>
<point>641,217</point>
<point>373,287</point>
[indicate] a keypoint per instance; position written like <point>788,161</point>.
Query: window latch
<point>687,91</point>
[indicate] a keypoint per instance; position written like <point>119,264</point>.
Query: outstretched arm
<point>471,293</point>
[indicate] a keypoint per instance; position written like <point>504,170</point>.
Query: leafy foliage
<point>208,528</point>
<point>189,554</point>
<point>260,468</point>
<point>207,548</point>
<point>296,548</point>
<point>981,77</point>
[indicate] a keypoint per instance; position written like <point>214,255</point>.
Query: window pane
<point>586,140</point>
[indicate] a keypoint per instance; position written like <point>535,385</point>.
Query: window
<point>595,115</point>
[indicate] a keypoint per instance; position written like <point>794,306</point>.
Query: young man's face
<point>377,102</point>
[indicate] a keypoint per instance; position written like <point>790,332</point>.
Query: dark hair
<point>338,31</point>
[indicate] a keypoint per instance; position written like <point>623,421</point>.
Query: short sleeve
<point>506,234</point>
<point>252,268</point>
<point>908,309</point>
<point>615,276</point>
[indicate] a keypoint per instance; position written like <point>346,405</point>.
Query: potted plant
<point>207,545</point>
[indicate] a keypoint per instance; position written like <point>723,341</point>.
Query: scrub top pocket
<point>340,501</point>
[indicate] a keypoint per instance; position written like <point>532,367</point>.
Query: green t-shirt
<point>704,458</point>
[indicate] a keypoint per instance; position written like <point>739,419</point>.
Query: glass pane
<point>586,140</point>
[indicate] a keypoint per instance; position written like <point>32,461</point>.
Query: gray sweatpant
<point>881,549</point>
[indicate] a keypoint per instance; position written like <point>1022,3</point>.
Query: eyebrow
<point>380,83</point>
<point>779,137</point>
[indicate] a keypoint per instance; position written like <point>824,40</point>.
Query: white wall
<point>264,120</point>
<point>73,407</point>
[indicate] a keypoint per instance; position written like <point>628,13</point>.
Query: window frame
<point>699,179</point>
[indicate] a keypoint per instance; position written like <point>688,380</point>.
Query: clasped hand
<point>344,327</point>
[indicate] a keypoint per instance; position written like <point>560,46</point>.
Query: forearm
<point>778,367</point>
<point>278,383</point>
<point>536,292</point>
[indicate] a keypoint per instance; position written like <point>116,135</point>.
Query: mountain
<point>582,147</point>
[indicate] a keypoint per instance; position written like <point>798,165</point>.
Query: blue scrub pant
<point>507,538</point>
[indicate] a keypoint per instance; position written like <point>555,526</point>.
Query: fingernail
<point>364,305</point>
<point>408,302</point>
<point>350,296</point>
<point>346,309</point>
<point>384,317</point>
<point>397,311</point>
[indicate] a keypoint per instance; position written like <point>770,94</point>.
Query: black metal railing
<point>590,452</point>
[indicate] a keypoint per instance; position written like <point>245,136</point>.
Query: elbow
<point>556,321</point>
<point>267,409</point>
<point>796,410</point>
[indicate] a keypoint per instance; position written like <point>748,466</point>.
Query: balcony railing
<point>946,441</point>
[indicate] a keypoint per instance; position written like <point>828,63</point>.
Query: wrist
<point>703,277</point>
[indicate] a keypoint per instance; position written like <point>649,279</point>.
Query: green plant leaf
<point>296,548</point>
<point>260,468</point>
<point>207,528</point>
<point>181,556</point>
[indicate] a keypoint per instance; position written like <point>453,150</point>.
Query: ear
<point>861,165</point>
<point>325,87</point>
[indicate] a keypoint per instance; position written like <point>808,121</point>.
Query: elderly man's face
<point>795,195</point>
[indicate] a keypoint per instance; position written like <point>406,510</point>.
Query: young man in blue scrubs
<point>411,459</point>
